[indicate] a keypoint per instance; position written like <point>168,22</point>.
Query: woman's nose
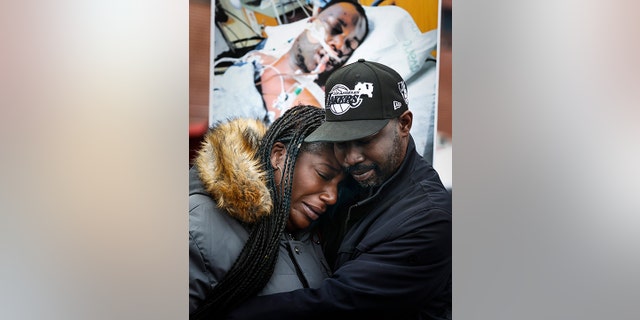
<point>330,194</point>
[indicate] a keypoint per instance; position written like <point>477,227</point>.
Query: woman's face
<point>315,186</point>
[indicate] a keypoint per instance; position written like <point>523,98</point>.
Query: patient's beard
<point>303,52</point>
<point>299,60</point>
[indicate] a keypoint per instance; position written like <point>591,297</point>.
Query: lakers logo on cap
<point>340,99</point>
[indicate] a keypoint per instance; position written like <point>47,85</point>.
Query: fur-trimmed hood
<point>229,168</point>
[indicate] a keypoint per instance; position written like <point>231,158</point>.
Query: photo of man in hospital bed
<point>290,66</point>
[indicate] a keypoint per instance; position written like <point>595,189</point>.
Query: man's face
<point>343,28</point>
<point>373,159</point>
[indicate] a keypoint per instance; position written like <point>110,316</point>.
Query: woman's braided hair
<point>253,268</point>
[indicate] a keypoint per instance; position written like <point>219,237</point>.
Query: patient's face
<point>344,30</point>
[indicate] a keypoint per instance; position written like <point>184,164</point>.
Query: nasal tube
<point>322,65</point>
<point>317,31</point>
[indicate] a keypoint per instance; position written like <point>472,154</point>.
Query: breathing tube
<point>317,34</point>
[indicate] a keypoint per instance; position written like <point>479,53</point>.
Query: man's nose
<point>352,155</point>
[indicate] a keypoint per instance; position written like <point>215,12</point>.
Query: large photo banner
<point>269,56</point>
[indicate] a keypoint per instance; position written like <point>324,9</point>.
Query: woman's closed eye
<point>325,176</point>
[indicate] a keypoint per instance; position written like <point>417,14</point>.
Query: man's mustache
<point>360,168</point>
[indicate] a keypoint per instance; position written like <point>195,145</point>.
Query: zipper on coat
<point>303,280</point>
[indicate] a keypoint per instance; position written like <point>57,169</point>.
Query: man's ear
<point>404,123</point>
<point>278,154</point>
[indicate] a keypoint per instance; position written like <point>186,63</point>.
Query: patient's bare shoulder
<point>305,97</point>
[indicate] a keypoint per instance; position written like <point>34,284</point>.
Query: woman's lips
<point>311,212</point>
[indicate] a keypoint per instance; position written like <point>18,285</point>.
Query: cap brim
<point>339,131</point>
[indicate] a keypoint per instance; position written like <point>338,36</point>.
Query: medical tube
<point>317,31</point>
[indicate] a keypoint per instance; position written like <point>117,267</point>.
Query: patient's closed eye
<point>337,29</point>
<point>352,45</point>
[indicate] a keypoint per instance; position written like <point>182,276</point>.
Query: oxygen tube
<point>317,34</point>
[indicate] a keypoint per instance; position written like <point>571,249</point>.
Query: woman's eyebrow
<point>331,167</point>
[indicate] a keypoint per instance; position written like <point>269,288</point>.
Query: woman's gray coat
<point>227,192</point>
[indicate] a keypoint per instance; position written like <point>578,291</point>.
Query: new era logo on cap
<point>363,96</point>
<point>403,91</point>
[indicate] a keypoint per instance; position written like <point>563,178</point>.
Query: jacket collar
<point>230,170</point>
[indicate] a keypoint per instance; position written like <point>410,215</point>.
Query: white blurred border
<point>93,126</point>
<point>545,115</point>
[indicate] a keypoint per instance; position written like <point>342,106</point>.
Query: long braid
<point>254,266</point>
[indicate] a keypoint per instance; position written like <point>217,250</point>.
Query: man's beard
<point>381,172</point>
